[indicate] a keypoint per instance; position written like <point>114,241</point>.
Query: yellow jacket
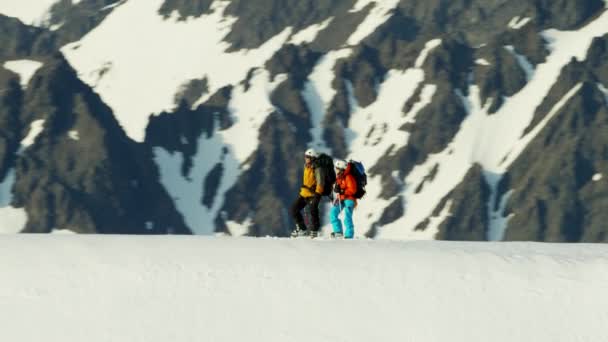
<point>312,180</point>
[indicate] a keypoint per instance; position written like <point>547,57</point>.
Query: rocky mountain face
<point>476,120</point>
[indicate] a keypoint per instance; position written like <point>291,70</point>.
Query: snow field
<point>107,288</point>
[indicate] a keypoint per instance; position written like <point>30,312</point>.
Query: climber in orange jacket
<point>345,188</point>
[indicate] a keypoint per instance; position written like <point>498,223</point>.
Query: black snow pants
<point>296,211</point>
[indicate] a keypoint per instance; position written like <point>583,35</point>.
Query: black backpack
<point>326,166</point>
<point>358,172</point>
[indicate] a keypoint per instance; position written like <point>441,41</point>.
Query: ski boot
<point>299,232</point>
<point>337,236</point>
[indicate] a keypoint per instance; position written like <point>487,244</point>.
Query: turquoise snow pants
<point>348,206</point>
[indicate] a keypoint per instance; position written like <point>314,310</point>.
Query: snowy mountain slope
<point>190,289</point>
<point>441,102</point>
<point>32,12</point>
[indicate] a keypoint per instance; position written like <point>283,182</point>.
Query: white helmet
<point>340,164</point>
<point>311,153</point>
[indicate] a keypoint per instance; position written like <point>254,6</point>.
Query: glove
<point>337,188</point>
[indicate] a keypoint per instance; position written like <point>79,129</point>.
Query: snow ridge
<point>127,288</point>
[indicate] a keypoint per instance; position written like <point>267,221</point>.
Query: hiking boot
<point>337,235</point>
<point>299,232</point>
<point>314,234</point>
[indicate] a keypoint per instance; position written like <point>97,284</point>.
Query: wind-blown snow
<point>12,220</point>
<point>309,34</point>
<point>159,289</point>
<point>318,93</point>
<point>520,145</point>
<point>36,127</point>
<point>74,135</point>
<point>482,61</point>
<point>523,62</point>
<point>231,147</point>
<point>429,46</point>
<point>119,63</point>
<point>517,23</point>
<point>378,15</point>
<point>31,12</point>
<point>603,89</point>
<point>25,68</point>
<point>370,135</point>
<point>498,223</point>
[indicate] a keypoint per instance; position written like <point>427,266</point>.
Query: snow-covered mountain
<point>158,289</point>
<point>476,120</point>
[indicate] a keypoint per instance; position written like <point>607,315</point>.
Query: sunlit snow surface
<point>31,12</point>
<point>24,68</point>
<point>69,288</point>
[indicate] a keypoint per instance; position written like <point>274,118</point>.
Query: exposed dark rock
<point>468,218</point>
<point>597,58</point>
<point>100,182</point>
<point>392,213</point>
<point>211,184</point>
<point>336,119</point>
<point>73,21</point>
<point>272,182</point>
<point>18,40</point>
<point>185,8</point>
<point>451,62</point>
<point>181,129</point>
<point>338,31</point>
<point>435,127</point>
<point>411,102</point>
<point>11,101</point>
<point>592,70</point>
<point>365,72</point>
<point>191,92</point>
<point>502,78</point>
<point>257,22</point>
<point>297,61</point>
<point>555,198</point>
<point>288,99</point>
<point>565,14</point>
<point>69,23</point>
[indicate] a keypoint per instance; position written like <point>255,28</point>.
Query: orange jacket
<point>346,181</point>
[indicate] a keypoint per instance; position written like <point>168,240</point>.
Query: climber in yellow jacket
<point>310,195</point>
